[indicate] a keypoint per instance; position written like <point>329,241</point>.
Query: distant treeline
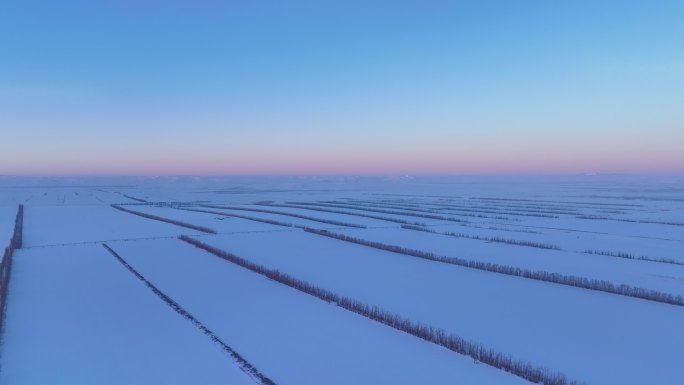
<point>505,229</point>
<point>160,204</point>
<point>412,208</point>
<point>529,208</point>
<point>632,256</point>
<point>491,211</point>
<point>262,220</point>
<point>243,363</point>
<point>630,220</point>
<point>437,336</point>
<point>314,219</point>
<point>328,210</point>
<point>486,209</point>
<point>134,198</point>
<point>6,263</point>
<point>375,210</point>
<point>539,275</point>
<point>167,220</point>
<point>561,202</point>
<point>515,242</point>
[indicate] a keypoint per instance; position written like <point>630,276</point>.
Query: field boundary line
<point>242,363</point>
<point>440,337</point>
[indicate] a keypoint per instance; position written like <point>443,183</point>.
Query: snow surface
<point>221,224</point>
<point>79,317</point>
<point>658,276</point>
<point>294,337</point>
<point>593,336</point>
<point>59,225</point>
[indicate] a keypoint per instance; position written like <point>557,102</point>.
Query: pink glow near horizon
<point>443,162</point>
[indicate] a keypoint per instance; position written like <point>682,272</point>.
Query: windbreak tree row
<point>241,361</point>
<point>255,219</point>
<point>537,201</point>
<point>509,209</point>
<point>314,219</point>
<point>515,242</point>
<point>328,210</point>
<point>501,212</point>
<point>632,256</point>
<point>6,263</point>
<point>134,198</point>
<point>412,209</point>
<point>433,206</point>
<point>599,217</point>
<point>539,275</point>
<point>497,228</point>
<point>528,209</point>
<point>167,220</point>
<point>376,210</point>
<point>437,336</point>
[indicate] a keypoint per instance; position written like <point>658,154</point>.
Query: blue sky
<point>300,87</point>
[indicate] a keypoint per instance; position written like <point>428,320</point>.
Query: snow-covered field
<point>159,310</point>
<point>78,317</point>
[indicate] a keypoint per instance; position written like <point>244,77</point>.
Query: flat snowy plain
<point>154,309</point>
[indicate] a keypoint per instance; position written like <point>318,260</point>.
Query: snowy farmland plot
<point>430,280</point>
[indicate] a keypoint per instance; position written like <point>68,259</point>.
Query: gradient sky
<point>341,87</point>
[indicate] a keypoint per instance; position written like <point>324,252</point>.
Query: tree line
<point>255,219</point>
<point>475,350</point>
<point>515,242</point>
<point>539,275</point>
<point>298,205</point>
<point>376,210</point>
<point>241,361</point>
<point>6,264</point>
<point>632,256</point>
<point>167,220</point>
<point>412,209</point>
<point>328,221</point>
<point>600,217</point>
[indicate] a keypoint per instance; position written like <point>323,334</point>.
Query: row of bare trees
<point>544,212</point>
<point>492,210</point>
<point>539,275</point>
<point>241,361</point>
<point>487,210</point>
<point>527,209</point>
<point>538,201</point>
<point>632,256</point>
<point>329,210</point>
<point>553,208</point>
<point>648,221</point>
<point>510,230</point>
<point>134,198</point>
<point>167,220</point>
<point>255,219</point>
<point>383,211</point>
<point>515,242</point>
<point>412,208</point>
<point>6,263</point>
<point>314,219</point>
<point>437,336</point>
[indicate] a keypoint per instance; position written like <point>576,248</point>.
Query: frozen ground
<point>571,329</point>
<point>76,315</point>
<point>83,319</point>
<point>281,329</point>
